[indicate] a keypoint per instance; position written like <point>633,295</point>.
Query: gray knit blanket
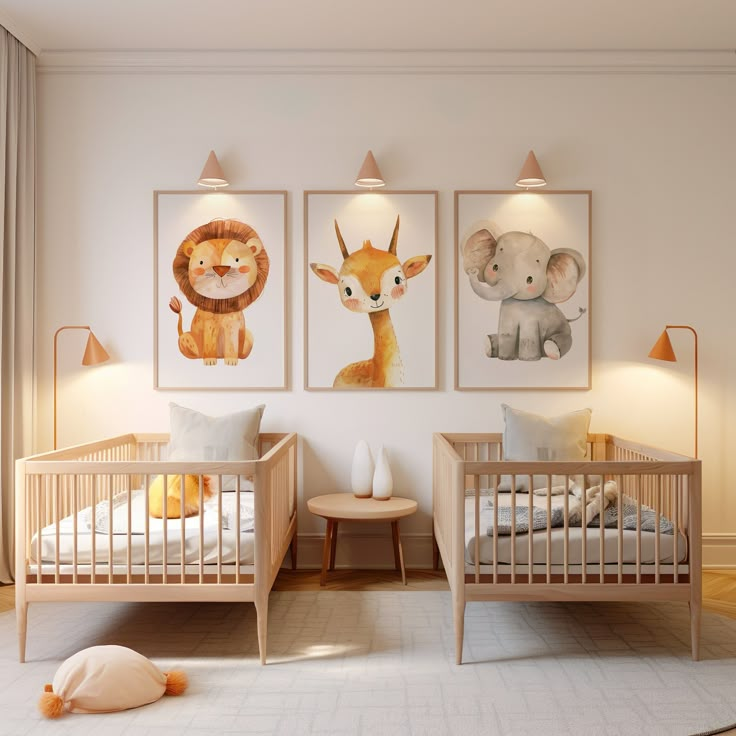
<point>517,517</point>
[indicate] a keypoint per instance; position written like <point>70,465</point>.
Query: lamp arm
<point>56,338</point>
<point>695,337</point>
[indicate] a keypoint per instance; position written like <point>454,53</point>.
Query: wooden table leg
<point>398,550</point>
<point>333,545</point>
<point>326,553</point>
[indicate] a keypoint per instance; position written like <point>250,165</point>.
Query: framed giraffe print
<point>370,286</point>
<point>522,290</point>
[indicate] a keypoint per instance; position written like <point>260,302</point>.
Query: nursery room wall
<point>656,150</point>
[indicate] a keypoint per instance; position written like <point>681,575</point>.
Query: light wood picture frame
<point>221,330</point>
<point>522,290</point>
<point>348,345</point>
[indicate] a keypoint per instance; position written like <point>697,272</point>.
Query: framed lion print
<point>219,290</point>
<point>370,290</point>
<point>522,288</point>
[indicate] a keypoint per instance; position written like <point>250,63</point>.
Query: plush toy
<point>173,495</point>
<point>105,679</point>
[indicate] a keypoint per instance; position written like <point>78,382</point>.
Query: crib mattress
<point>667,551</point>
<point>61,547</point>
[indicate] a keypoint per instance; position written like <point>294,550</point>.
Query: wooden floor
<point>719,588</point>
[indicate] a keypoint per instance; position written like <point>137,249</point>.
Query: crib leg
<point>435,553</point>
<point>262,624</point>
<point>21,615</point>
<point>695,608</point>
<point>292,547</point>
<point>459,616</point>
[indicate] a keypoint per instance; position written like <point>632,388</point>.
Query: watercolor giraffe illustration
<point>370,281</point>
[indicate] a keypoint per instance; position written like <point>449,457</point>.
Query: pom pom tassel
<point>176,682</point>
<point>50,705</point>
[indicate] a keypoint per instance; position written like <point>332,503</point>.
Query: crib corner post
<point>262,624</point>
<point>459,617</point>
<point>21,616</point>
<point>695,609</point>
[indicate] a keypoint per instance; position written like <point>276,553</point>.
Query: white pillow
<point>233,437</point>
<point>532,437</point>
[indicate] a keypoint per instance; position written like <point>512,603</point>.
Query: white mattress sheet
<point>209,551</point>
<point>667,550</point>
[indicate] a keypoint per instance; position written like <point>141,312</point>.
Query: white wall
<point>656,150</point>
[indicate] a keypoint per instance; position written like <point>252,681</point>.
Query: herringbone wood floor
<point>719,588</point>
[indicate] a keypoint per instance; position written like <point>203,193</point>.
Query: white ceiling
<point>518,25</point>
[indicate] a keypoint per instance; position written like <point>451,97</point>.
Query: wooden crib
<point>208,557</point>
<point>567,563</point>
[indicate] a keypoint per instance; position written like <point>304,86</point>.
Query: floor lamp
<point>662,350</point>
<point>94,353</point>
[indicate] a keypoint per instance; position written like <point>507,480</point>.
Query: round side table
<point>337,507</point>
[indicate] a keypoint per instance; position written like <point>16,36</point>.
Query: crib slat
<point>658,506</point>
<point>75,511</point>
<point>182,522</point>
<point>601,529</point>
<point>128,552</point>
<point>495,528</point>
<point>91,485</point>
<point>530,511</point>
<point>566,525</point>
<point>549,529</point>
<point>219,537</point>
<point>637,483</point>
<point>620,540</point>
<point>476,499</point>
<point>56,519</point>
<point>584,529</point>
<point>676,531</point>
<point>513,528</point>
<point>165,516</point>
<point>201,526</point>
<point>109,531</point>
<point>147,531</point>
<point>237,526</point>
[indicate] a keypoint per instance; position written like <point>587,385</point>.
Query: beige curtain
<point>17,267</point>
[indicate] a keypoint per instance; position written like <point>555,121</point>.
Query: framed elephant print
<point>219,290</point>
<point>370,290</point>
<point>522,290</point>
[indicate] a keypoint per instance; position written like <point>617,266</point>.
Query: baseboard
<point>366,551</point>
<point>372,552</point>
<point>719,551</point>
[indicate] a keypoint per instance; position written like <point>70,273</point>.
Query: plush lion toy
<point>106,679</point>
<point>173,495</point>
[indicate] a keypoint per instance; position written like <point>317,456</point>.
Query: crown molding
<point>387,62</point>
<point>11,26</point>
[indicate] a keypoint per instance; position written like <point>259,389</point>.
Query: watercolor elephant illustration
<point>370,281</point>
<point>520,271</point>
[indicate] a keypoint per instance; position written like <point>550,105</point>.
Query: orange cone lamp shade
<point>212,174</point>
<point>662,349</point>
<point>94,353</point>
<point>369,174</point>
<point>531,173</point>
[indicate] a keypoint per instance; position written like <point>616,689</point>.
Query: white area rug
<point>382,663</point>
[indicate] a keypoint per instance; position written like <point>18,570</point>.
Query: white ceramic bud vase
<point>361,476</point>
<point>383,482</point>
